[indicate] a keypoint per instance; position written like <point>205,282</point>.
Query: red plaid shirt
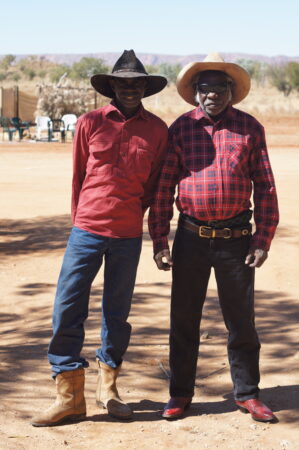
<point>215,166</point>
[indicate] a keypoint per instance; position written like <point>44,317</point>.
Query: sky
<point>175,27</point>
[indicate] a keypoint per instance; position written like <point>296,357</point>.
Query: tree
<point>30,73</point>
<point>279,79</point>
<point>170,71</point>
<point>256,69</point>
<point>42,73</point>
<point>292,74</point>
<point>87,67</point>
<point>7,61</point>
<point>56,73</point>
<point>150,68</point>
<point>16,76</point>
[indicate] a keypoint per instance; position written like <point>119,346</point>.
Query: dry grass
<point>262,102</point>
<point>279,114</point>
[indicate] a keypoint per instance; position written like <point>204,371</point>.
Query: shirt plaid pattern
<point>216,166</point>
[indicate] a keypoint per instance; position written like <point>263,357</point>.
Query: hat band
<point>128,70</point>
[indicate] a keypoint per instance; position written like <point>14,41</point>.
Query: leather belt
<point>209,232</point>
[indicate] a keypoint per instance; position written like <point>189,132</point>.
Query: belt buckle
<point>229,233</point>
<point>202,229</point>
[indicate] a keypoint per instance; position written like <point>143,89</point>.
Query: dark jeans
<point>193,258</point>
<point>82,261</point>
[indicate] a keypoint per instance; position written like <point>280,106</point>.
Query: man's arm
<point>161,211</point>
<point>151,184</point>
<point>266,215</point>
<point>80,157</point>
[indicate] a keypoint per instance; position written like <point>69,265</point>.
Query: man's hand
<point>256,258</point>
<point>163,260</point>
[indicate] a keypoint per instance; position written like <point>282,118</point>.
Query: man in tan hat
<point>118,151</point>
<point>217,154</point>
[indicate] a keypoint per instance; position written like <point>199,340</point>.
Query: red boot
<point>176,407</point>
<point>257,409</point>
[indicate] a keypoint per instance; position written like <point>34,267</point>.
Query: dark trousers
<point>193,258</point>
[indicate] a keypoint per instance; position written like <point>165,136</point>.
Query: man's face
<point>128,92</point>
<point>214,91</point>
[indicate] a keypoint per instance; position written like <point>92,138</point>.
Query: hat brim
<point>240,77</point>
<point>100,82</point>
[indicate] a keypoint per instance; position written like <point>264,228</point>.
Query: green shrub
<point>87,67</point>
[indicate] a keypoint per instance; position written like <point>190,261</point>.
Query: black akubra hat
<point>128,66</point>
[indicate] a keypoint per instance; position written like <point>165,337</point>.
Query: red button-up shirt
<point>215,166</point>
<point>116,164</point>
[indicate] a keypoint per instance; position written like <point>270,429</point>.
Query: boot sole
<point>102,405</point>
<point>71,418</point>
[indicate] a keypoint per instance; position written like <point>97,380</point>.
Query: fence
<point>26,106</point>
<point>17,103</point>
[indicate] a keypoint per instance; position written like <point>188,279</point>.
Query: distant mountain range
<point>156,59</point>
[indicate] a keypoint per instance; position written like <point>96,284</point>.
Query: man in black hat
<point>118,151</point>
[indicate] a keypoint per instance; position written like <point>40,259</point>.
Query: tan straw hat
<point>214,61</point>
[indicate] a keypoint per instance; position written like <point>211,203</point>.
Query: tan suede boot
<point>70,402</point>
<point>107,395</point>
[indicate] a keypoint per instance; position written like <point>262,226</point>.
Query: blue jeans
<point>193,259</point>
<point>82,261</point>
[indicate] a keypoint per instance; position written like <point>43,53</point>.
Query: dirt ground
<point>35,223</point>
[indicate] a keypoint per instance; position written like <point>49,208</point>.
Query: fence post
<point>16,100</point>
<point>1,101</point>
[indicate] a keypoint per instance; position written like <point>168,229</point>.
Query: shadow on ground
<point>39,235</point>
<point>27,333</point>
<point>27,338</point>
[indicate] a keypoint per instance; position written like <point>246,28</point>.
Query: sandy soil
<point>34,211</point>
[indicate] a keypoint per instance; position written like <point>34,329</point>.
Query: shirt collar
<point>112,109</point>
<point>200,114</point>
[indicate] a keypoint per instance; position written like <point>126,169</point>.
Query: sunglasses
<point>218,88</point>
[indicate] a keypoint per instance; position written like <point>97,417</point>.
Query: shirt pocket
<point>102,157</point>
<point>237,159</point>
<point>143,163</point>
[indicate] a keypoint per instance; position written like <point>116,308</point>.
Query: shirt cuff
<point>160,244</point>
<point>262,242</point>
